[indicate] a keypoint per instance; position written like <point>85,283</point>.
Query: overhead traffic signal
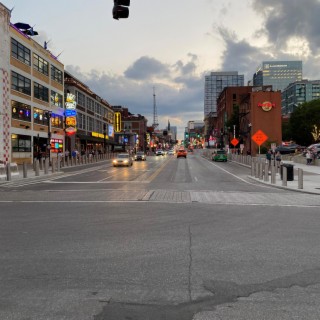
<point>120,10</point>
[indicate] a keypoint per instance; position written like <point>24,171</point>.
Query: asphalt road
<point>168,238</point>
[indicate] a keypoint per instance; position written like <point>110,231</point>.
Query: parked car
<point>122,159</point>
<point>284,150</point>
<point>314,148</point>
<point>182,153</point>
<point>220,155</point>
<point>140,156</point>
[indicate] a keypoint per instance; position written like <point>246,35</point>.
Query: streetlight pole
<point>49,113</point>
<point>104,137</point>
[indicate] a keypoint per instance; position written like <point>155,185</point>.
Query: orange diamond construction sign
<point>259,137</point>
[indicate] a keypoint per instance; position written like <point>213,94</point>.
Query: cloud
<point>178,99</point>
<point>147,68</point>
<point>289,32</point>
<point>287,19</point>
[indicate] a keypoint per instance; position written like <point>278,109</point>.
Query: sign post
<point>259,138</point>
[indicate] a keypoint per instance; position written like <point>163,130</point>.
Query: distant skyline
<point>171,46</point>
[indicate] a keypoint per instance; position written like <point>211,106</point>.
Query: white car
<point>122,159</point>
<point>159,153</point>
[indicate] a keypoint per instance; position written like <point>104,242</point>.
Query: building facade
<point>32,95</point>
<point>258,109</point>
<point>215,82</point>
<point>130,131</point>
<point>299,92</point>
<point>279,74</point>
<point>94,119</point>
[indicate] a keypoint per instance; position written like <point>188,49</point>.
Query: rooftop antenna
<point>46,44</point>
<point>155,116</point>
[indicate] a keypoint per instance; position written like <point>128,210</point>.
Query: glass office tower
<point>215,82</point>
<point>299,92</point>
<point>279,74</point>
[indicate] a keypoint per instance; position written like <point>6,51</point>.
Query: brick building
<point>259,108</point>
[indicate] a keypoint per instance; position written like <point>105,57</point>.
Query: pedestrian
<point>308,157</point>
<point>278,158</point>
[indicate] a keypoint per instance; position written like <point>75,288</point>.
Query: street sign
<point>259,137</point>
<point>234,141</point>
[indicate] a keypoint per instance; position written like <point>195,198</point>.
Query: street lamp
<point>104,137</point>
<point>49,113</point>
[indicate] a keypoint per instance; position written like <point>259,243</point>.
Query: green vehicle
<point>220,155</point>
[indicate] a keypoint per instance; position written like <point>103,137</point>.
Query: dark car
<point>140,156</point>
<point>284,150</point>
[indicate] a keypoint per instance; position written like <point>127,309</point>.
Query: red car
<point>182,153</point>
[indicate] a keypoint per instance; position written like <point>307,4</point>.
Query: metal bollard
<point>37,171</point>
<point>284,176</point>
<point>8,171</point>
<point>58,163</point>
<point>25,171</point>
<point>252,169</point>
<point>46,166</point>
<point>273,174</point>
<point>257,169</point>
<point>53,166</point>
<point>300,178</point>
<point>266,171</point>
<point>260,170</point>
<point>41,163</point>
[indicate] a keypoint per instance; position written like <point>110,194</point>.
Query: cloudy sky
<point>170,46</point>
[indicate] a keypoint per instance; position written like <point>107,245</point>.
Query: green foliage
<point>234,119</point>
<point>302,122</point>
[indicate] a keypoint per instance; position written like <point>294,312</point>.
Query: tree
<point>304,123</point>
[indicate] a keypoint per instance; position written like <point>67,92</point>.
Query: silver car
<point>122,159</point>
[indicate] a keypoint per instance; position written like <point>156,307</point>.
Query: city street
<point>167,238</point>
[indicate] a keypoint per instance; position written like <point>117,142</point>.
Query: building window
<point>81,121</point>
<point>90,104</point>
<point>56,74</point>
<point>41,116</point>
<point>40,64</point>
<point>81,99</point>
<point>20,111</point>
<point>20,83</point>
<point>20,143</point>
<point>90,124</point>
<point>20,52</point>
<point>56,99</point>
<point>41,92</point>
<point>56,121</point>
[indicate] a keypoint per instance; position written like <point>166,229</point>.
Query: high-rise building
<point>299,92</point>
<point>279,74</point>
<point>215,82</point>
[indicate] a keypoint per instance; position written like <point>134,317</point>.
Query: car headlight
<point>125,161</point>
<point>115,161</point>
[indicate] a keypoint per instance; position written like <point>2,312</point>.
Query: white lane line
<point>95,182</point>
<point>196,179</point>
<point>160,201</point>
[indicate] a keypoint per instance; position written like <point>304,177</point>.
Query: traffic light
<point>187,135</point>
<point>120,10</point>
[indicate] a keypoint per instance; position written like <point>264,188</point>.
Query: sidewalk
<point>31,174</point>
<point>311,179</point>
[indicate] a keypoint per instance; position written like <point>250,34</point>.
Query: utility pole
<point>155,115</point>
